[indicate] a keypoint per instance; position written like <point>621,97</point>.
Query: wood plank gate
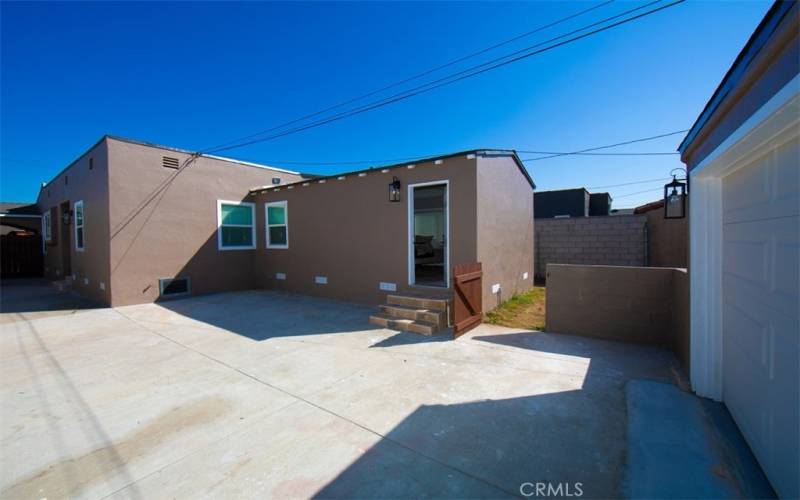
<point>467,297</point>
<point>20,255</point>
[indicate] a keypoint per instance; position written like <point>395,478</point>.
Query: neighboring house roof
<point>11,209</point>
<point>168,148</point>
<point>647,207</point>
<point>760,37</point>
<point>479,152</point>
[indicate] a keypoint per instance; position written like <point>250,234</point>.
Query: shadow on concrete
<point>406,338</point>
<point>38,295</point>
<point>568,439</point>
<point>265,314</point>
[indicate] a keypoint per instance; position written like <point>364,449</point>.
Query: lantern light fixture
<point>675,198</point>
<point>66,217</point>
<point>394,189</point>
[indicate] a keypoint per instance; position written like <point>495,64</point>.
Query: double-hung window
<point>236,228</point>
<point>47,228</point>
<point>277,217</point>
<point>79,236</point>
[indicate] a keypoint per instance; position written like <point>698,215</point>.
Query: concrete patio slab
<point>277,395</point>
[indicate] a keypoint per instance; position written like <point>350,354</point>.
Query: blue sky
<point>195,75</point>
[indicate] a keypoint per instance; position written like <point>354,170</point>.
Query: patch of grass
<point>525,310</point>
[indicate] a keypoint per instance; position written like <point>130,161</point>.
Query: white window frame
<point>252,225</point>
<point>79,203</point>
<point>410,197</point>
<point>267,225</point>
<point>47,227</point>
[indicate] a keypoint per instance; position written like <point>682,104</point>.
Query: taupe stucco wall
<point>163,224</point>
<point>348,231</point>
<point>617,240</point>
<point>648,305</point>
<point>667,240</point>
<point>76,183</point>
<point>504,229</point>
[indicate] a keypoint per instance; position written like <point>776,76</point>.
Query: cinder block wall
<point>648,305</point>
<point>618,240</point>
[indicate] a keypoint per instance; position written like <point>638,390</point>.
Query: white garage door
<point>761,309</point>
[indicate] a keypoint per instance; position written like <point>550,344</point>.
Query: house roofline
<point>758,39</point>
<point>159,146</point>
<point>478,152</point>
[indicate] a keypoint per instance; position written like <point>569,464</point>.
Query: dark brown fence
<point>467,297</point>
<point>20,255</point>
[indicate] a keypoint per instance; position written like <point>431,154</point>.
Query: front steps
<point>423,315</point>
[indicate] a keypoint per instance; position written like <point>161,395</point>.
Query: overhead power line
<point>663,179</point>
<point>497,63</point>
<point>637,192</point>
<point>561,153</point>
<point>420,75</point>
<point>609,146</point>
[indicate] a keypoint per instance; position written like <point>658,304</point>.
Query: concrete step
<point>404,324</point>
<point>438,318</point>
<point>418,302</point>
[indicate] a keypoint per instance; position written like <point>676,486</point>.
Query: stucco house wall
<point>504,229</point>
<point>163,222</point>
<point>349,232</point>
<point>75,183</point>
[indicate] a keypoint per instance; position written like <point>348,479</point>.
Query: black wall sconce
<point>394,189</point>
<point>66,217</point>
<point>675,198</point>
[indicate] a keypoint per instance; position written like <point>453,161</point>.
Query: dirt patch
<point>526,310</point>
<point>68,477</point>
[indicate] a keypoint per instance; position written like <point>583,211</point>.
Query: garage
<point>743,161</point>
<point>760,309</point>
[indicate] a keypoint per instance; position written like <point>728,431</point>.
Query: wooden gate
<point>467,297</point>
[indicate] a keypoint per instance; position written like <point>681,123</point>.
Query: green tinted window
<point>276,215</point>
<point>237,214</point>
<point>277,235</point>
<point>234,236</point>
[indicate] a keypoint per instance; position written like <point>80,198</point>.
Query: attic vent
<point>171,287</point>
<point>276,180</point>
<point>168,162</point>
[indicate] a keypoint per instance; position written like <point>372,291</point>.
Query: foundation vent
<point>169,162</point>
<point>173,287</point>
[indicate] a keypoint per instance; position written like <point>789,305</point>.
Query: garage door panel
<point>764,189</point>
<point>760,261</point>
<point>761,309</point>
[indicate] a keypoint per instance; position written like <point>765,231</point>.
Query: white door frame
<point>411,274</point>
<point>776,122</point>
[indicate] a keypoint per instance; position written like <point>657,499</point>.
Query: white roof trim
<point>249,163</point>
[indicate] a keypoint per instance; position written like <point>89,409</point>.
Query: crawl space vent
<point>168,162</point>
<point>171,287</point>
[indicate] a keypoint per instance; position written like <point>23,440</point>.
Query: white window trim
<point>410,223</point>
<point>47,228</point>
<point>79,203</point>
<point>267,225</point>
<point>252,225</point>
<point>775,122</point>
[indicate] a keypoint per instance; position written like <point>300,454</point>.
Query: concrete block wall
<point>618,240</point>
<point>646,305</point>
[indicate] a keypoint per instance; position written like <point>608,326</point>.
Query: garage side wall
<point>79,182</point>
<point>349,233</point>
<point>163,223</point>
<point>504,229</point>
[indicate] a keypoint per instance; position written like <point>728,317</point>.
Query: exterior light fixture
<point>675,199</point>
<point>394,189</point>
<point>66,217</point>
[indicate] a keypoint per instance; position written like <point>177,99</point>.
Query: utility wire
<point>561,153</point>
<point>637,192</point>
<point>582,151</point>
<point>449,80</point>
<point>663,179</point>
<point>418,75</point>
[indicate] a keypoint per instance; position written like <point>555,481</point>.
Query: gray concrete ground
<point>262,394</point>
<point>22,299</point>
